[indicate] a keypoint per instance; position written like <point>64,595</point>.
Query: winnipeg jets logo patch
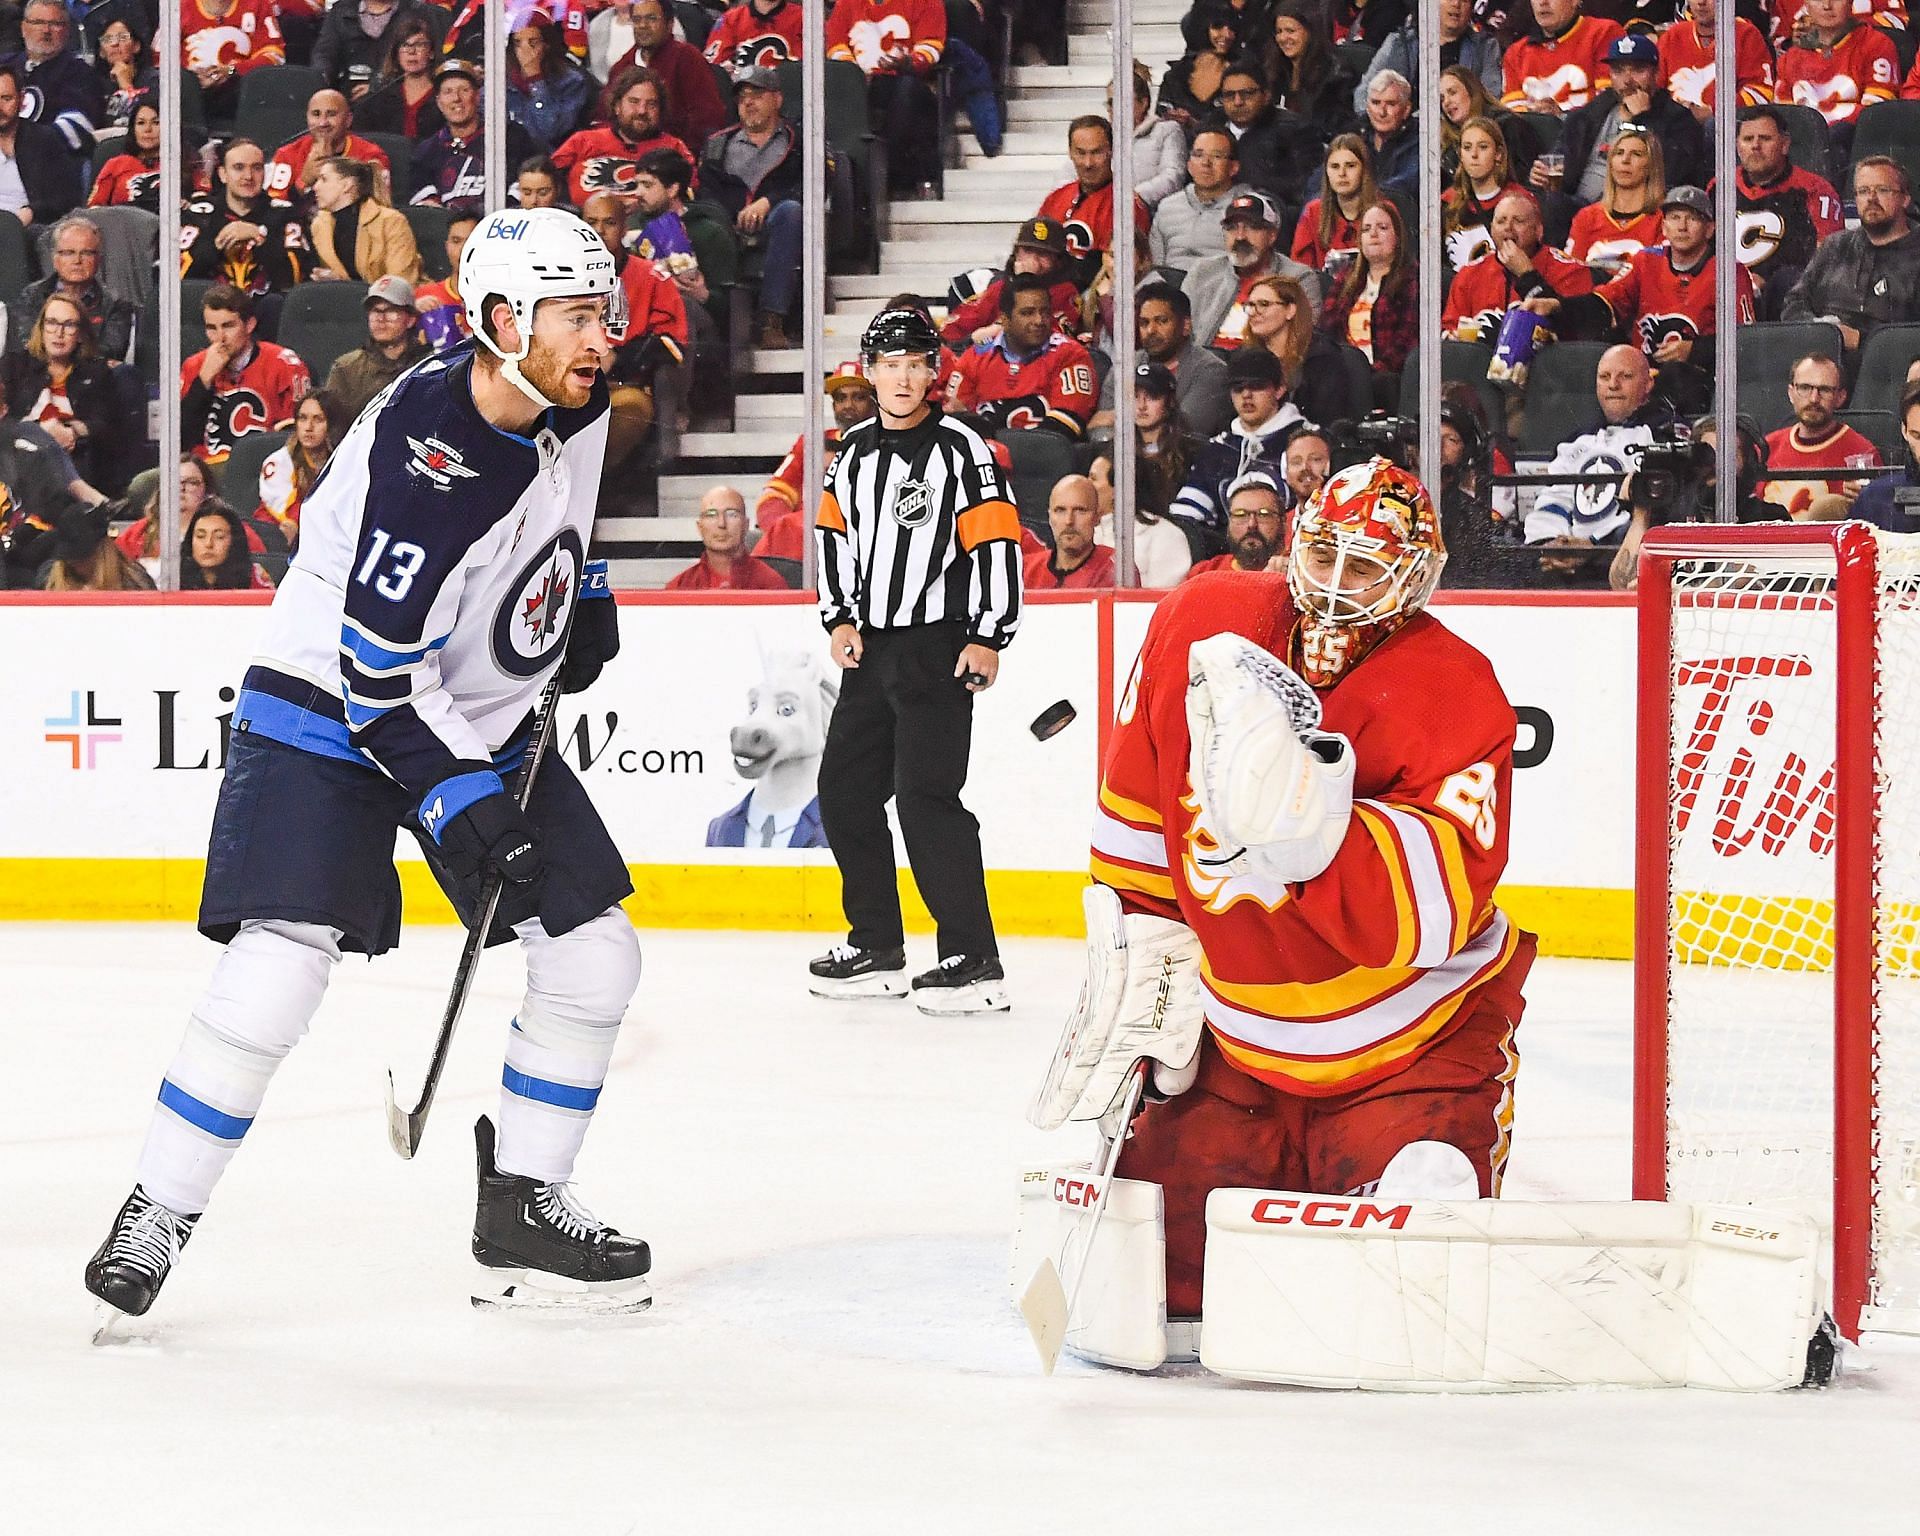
<point>531,623</point>
<point>912,503</point>
<point>437,462</point>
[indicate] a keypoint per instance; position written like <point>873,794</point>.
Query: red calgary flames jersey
<point>782,492</point>
<point>1597,236</point>
<point>599,160</point>
<point>1686,64</point>
<point>1053,388</point>
<point>1326,985</point>
<point>866,31</point>
<point>262,396</point>
<point>1570,69</point>
<point>1841,448</point>
<point>1657,302</point>
<point>1838,81</point>
<point>1088,216</point>
<point>654,308</point>
<point>1482,292</point>
<point>247,37</point>
<point>744,39</point>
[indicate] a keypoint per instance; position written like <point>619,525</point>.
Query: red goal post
<point>1777,888</point>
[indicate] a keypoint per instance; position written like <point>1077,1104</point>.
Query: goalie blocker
<point>1444,1295</point>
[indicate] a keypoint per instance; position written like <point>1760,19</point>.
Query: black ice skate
<point>962,984</point>
<point>545,1249</point>
<point>848,971</point>
<point>128,1269</point>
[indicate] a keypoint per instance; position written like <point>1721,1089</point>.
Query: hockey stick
<point>1046,1304</point>
<point>406,1126</point>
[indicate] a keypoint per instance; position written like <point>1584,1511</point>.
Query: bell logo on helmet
<point>500,227</point>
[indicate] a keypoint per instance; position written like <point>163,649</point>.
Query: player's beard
<point>547,374</point>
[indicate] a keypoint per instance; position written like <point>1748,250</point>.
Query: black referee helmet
<point>894,331</point>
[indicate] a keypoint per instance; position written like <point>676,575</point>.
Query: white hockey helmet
<point>524,255</point>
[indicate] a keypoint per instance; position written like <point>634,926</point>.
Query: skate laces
<point>841,953</point>
<point>151,1242</point>
<point>954,962</point>
<point>556,1203</point>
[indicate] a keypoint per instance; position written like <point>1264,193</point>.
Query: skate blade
<point>892,984</point>
<point>981,997</point>
<point>516,1290</point>
<point>114,1329</point>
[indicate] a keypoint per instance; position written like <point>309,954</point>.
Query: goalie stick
<point>1046,1304</point>
<point>405,1127</point>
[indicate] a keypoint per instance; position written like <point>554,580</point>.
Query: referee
<point>919,560</point>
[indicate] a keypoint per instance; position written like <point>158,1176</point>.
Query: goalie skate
<point>542,1249</point>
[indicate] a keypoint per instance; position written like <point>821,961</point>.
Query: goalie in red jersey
<point>1302,819</point>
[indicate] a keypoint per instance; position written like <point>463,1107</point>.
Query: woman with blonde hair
<point>1463,97</point>
<point>1483,177</point>
<point>1627,217</point>
<point>86,560</point>
<point>1280,318</point>
<point>1331,222</point>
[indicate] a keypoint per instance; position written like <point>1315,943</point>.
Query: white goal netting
<point>1755,689</point>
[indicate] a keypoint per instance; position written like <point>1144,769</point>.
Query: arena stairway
<point>972,225</point>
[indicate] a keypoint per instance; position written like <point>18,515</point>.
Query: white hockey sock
<point>559,1046</point>
<point>263,994</point>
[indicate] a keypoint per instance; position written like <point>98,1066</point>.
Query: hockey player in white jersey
<point>442,572</point>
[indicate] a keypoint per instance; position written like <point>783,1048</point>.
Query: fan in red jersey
<point>1360,989</point>
<point>1520,266</point>
<point>1784,210</point>
<point>755,34</point>
<point>1085,204</point>
<point>1837,66</point>
<point>1687,60</point>
<point>238,385</point>
<point>607,158</point>
<point>1029,375</point>
<point>1817,439</point>
<point>1627,219</point>
<point>778,516</point>
<point>221,40</point>
<point>1565,66</point>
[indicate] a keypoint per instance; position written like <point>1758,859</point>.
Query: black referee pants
<point>904,729</point>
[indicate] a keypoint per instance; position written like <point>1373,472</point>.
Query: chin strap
<point>510,371</point>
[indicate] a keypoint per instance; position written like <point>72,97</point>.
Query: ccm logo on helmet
<point>1285,1211</point>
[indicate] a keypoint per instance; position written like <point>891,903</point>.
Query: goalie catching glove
<point>1141,1000</point>
<point>1275,790</point>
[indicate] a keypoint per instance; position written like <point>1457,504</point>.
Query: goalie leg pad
<point>1119,1311</point>
<point>1495,1295</point>
<point>1141,998</point>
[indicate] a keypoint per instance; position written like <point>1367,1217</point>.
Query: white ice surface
<point>827,1190</point>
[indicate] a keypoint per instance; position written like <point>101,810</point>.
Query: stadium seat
<point>1880,429</point>
<point>270,127</point>
<point>193,105</point>
<point>1765,355</point>
<point>399,150</point>
<point>429,226</point>
<point>16,264</point>
<point>193,324</point>
<point>696,22</point>
<point>1883,367</point>
<point>723,81</point>
<point>104,149</point>
<point>125,233</point>
<point>1039,459</point>
<point>240,475</point>
<point>285,86</point>
<point>1355,55</point>
<point>1810,145</point>
<point>1889,128</point>
<point>1461,362</point>
<point>1560,399</point>
<point>321,321</point>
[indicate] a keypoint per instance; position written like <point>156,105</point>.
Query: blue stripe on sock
<point>213,1121</point>
<point>561,1095</point>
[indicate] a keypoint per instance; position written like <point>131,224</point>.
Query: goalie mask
<point>1365,557</point>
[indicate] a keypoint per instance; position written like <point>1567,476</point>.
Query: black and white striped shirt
<point>916,527</point>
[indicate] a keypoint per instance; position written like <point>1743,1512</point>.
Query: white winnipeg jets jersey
<point>440,559</point>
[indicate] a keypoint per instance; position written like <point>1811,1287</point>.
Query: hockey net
<point>1777,1005</point>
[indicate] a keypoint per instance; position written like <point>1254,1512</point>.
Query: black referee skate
<point>545,1249</point>
<point>849,971</point>
<point>962,984</point>
<point>128,1269</point>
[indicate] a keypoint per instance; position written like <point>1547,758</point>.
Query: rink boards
<point>114,718</point>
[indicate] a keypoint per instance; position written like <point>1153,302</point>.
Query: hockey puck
<point>1052,720</point>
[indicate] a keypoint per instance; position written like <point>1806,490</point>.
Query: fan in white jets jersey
<point>441,580</point>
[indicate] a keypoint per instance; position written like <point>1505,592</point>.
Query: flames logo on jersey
<point>232,416</point>
<point>609,173</point>
<point>1468,244</point>
<point>531,623</point>
<point>764,52</point>
<point>1654,329</point>
<point>1015,415</point>
<point>1219,876</point>
<point>1080,241</point>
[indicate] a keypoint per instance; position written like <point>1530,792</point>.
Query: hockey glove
<point>493,834</point>
<point>595,640</point>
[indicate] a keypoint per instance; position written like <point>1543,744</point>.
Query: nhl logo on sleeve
<point>913,503</point>
<point>531,622</point>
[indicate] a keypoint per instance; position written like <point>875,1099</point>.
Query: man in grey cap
<point>393,346</point>
<point>1217,286</point>
<point>752,170</point>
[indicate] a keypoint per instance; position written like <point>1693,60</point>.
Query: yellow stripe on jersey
<point>1128,810</point>
<point>1453,861</point>
<point>1301,1001</point>
<point>1123,877</point>
<point>1395,863</point>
